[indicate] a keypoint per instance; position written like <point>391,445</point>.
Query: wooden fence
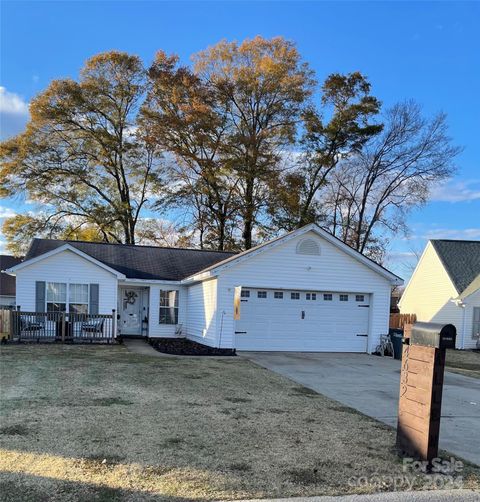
<point>58,326</point>
<point>398,321</point>
<point>5,315</point>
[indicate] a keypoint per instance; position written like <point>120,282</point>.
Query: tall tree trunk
<point>248,214</point>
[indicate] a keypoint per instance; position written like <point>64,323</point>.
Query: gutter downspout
<point>461,304</point>
<point>464,306</point>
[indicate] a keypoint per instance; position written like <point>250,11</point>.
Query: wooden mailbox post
<point>421,384</point>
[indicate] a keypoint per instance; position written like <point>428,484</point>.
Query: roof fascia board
<point>235,260</point>
<point>429,243</point>
<point>397,281</point>
<point>127,281</point>
<point>65,247</point>
<point>471,289</point>
<point>216,269</point>
<point>445,268</point>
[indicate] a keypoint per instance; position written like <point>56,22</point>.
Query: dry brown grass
<point>465,362</point>
<point>86,423</point>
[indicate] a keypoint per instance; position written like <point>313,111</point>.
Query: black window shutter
<point>94,293</point>
<point>40,296</point>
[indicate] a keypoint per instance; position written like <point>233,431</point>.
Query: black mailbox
<point>429,334</point>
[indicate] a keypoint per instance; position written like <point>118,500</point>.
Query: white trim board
<point>61,249</point>
<point>312,227</point>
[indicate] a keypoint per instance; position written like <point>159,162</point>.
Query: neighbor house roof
<point>138,262</point>
<point>461,260</point>
<point>7,282</point>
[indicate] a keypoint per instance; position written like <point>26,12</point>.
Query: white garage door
<point>302,321</point>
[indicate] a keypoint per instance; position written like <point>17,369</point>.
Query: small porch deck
<point>21,326</point>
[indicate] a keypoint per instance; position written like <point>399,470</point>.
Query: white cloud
<point>457,191</point>
<point>13,113</point>
<point>6,212</point>
<point>449,233</point>
<point>12,103</point>
<point>397,255</point>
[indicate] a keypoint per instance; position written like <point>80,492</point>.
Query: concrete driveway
<point>370,384</point>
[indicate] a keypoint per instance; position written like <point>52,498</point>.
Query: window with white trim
<point>278,295</point>
<point>245,293</point>
<point>328,297</point>
<point>168,307</point>
<point>56,296</point>
<point>359,298</point>
<point>311,296</point>
<point>344,298</point>
<point>261,294</point>
<point>295,296</point>
<point>78,298</point>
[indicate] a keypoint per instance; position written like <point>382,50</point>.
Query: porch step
<point>132,337</point>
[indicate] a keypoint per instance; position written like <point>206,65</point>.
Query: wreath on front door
<point>130,297</point>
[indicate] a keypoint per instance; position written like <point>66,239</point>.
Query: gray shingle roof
<point>139,262</point>
<point>7,282</point>
<point>461,260</point>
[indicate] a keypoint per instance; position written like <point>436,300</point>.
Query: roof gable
<point>135,262</point>
<point>66,247</point>
<point>312,227</point>
<point>461,260</point>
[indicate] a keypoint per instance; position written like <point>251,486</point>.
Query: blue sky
<point>428,51</point>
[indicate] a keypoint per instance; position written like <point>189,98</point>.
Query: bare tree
<point>372,192</point>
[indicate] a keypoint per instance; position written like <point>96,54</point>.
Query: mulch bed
<point>184,347</point>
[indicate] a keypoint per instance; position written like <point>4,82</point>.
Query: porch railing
<point>61,327</point>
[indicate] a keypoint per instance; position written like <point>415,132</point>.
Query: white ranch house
<point>445,288</point>
<point>305,291</point>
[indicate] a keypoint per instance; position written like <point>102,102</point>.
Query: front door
<point>130,311</point>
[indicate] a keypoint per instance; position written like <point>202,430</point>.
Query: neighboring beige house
<point>445,288</point>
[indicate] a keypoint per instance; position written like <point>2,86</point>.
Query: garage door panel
<point>277,324</point>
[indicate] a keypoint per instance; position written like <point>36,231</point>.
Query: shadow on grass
<point>20,487</point>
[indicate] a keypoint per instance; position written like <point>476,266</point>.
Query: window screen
<point>78,298</point>
<point>56,297</point>
<point>168,307</point>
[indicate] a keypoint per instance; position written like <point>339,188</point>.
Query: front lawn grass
<point>465,362</point>
<point>81,423</point>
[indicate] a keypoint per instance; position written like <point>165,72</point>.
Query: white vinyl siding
<point>201,323</point>
<point>281,268</point>
<point>67,268</point>
<point>472,302</point>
